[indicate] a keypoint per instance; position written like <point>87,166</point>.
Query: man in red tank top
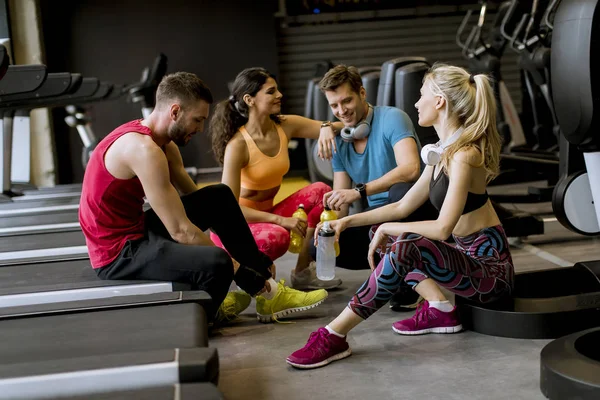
<point>141,159</point>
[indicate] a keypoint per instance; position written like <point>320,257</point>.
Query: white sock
<point>270,293</point>
<point>333,332</point>
<point>443,306</point>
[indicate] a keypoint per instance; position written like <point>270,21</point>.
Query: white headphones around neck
<point>361,130</point>
<point>431,154</point>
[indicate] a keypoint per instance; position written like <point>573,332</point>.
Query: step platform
<point>570,367</point>
<point>545,305</point>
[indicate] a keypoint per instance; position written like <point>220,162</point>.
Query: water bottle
<point>326,253</point>
<point>329,215</point>
<point>296,239</point>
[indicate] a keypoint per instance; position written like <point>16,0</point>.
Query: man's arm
<point>179,177</point>
<point>408,170</point>
<point>408,167</point>
<point>413,199</point>
<point>149,164</point>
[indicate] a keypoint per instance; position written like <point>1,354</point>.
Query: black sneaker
<point>405,299</point>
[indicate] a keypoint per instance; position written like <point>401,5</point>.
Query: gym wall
<point>114,41</point>
<point>371,38</point>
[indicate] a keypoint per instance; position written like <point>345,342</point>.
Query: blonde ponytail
<point>474,106</point>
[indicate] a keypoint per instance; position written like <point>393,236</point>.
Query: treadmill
<point>63,348</point>
<point>159,374</point>
<point>196,391</point>
<point>17,79</point>
<point>51,94</point>
<point>140,92</point>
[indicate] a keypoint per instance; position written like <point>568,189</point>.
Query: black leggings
<point>158,257</point>
<point>354,242</point>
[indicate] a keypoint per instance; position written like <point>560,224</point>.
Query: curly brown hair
<point>231,114</point>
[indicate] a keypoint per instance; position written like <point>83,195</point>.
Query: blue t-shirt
<point>389,126</point>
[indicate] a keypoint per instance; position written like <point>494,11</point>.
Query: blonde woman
<point>462,109</point>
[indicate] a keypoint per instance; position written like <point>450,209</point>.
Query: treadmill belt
<point>29,278</point>
<point>66,188</point>
<point>42,241</point>
<point>58,217</point>
<point>45,338</point>
<point>32,202</point>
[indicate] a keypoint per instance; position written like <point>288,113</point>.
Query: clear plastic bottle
<point>296,240</point>
<point>326,253</point>
<point>329,215</point>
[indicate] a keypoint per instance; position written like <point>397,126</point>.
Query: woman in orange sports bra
<point>250,138</point>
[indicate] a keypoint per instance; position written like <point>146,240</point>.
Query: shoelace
<point>422,314</point>
<point>313,341</point>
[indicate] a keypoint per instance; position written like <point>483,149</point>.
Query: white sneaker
<point>307,279</point>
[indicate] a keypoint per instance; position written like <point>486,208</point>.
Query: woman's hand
<point>338,225</point>
<point>295,224</point>
<point>379,242</point>
<point>326,143</point>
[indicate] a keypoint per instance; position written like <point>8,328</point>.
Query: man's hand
<point>337,198</point>
<point>295,224</point>
<point>326,143</point>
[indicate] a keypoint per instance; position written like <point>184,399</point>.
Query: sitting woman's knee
<point>320,188</point>
<point>409,236</point>
<point>273,240</point>
<point>404,240</point>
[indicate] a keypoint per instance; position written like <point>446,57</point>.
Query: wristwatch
<point>325,124</point>
<point>362,189</point>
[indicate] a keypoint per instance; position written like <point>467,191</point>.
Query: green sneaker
<point>232,306</point>
<point>287,301</point>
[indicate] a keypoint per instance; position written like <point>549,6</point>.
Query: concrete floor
<point>385,365</point>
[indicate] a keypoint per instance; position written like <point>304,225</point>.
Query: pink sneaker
<point>429,320</point>
<point>321,349</point>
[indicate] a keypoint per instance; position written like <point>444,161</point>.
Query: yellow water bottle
<point>296,239</point>
<point>329,215</point>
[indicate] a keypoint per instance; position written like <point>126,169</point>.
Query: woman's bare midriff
<point>259,195</point>
<point>476,220</point>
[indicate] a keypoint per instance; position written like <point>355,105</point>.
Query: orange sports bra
<point>264,172</point>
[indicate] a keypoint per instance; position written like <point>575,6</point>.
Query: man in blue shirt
<point>377,150</point>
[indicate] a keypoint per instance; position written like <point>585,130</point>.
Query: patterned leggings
<point>479,268</point>
<point>274,240</point>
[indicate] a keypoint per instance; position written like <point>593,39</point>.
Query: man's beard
<point>177,134</point>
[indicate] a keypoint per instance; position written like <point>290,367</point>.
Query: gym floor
<point>466,365</point>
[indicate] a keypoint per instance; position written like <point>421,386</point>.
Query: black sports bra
<point>438,187</point>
